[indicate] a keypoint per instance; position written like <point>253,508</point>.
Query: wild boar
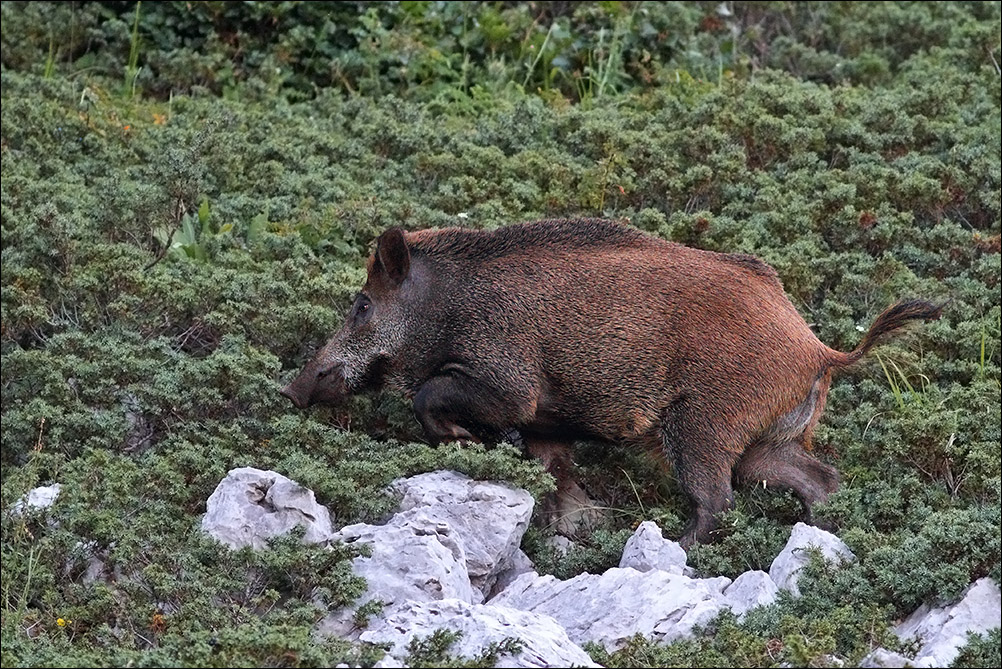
<point>591,329</point>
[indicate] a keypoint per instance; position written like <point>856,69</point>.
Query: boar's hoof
<point>513,437</point>
<point>698,534</point>
<point>569,511</point>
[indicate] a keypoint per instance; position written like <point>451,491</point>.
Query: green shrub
<point>187,202</point>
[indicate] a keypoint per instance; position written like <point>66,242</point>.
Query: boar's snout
<point>317,385</point>
<point>292,392</point>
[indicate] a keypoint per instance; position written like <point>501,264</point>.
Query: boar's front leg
<point>456,407</point>
<point>435,408</point>
<point>568,509</point>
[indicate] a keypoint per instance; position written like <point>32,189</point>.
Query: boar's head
<point>375,329</point>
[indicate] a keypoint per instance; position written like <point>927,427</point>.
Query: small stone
<point>250,506</point>
<point>37,499</point>
<point>785,569</point>
<point>647,550</point>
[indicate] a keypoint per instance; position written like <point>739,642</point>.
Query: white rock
<point>389,662</point>
<point>452,538</point>
<point>250,506</point>
<point>611,608</point>
<point>942,631</point>
<point>785,569</point>
<point>750,590</point>
<point>544,642</point>
<point>647,550</point>
<point>520,564</point>
<point>38,498</point>
<point>881,657</point>
<point>410,562</point>
<point>560,544</point>
<point>490,518</point>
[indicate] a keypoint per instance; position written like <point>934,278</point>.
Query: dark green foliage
<point>770,637</point>
<point>981,651</point>
<point>188,197</point>
<point>434,651</point>
<point>593,554</point>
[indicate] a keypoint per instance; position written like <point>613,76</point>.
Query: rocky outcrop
<point>941,632</point>
<point>750,590</point>
<point>610,608</point>
<point>491,519</point>
<point>521,564</point>
<point>417,561</point>
<point>454,542</point>
<point>647,550</point>
<point>542,641</point>
<point>452,538</point>
<point>250,506</point>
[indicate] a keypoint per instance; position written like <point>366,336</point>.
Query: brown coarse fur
<point>568,329</point>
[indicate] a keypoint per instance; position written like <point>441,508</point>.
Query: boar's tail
<point>890,320</point>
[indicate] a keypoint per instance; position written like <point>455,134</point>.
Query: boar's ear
<point>393,255</point>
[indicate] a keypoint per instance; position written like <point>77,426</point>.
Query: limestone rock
<point>452,539</point>
<point>490,518</point>
<point>412,561</point>
<point>785,569</point>
<point>881,657</point>
<point>612,607</point>
<point>520,564</point>
<point>37,499</point>
<point>942,631</point>
<point>647,550</point>
<point>250,506</point>
<point>544,642</point>
<point>750,590</point>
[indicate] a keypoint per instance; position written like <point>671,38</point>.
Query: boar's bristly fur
<point>567,329</point>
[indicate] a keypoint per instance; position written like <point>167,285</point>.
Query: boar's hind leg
<point>779,458</point>
<point>456,407</point>
<point>703,458</point>
<point>786,465</point>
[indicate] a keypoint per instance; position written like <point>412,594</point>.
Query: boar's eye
<point>362,309</point>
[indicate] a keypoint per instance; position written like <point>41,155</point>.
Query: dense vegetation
<point>188,193</point>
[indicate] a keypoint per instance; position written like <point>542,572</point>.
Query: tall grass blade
<point>132,70</point>
<point>894,386</point>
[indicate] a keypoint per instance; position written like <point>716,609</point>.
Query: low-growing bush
<point>189,191</point>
